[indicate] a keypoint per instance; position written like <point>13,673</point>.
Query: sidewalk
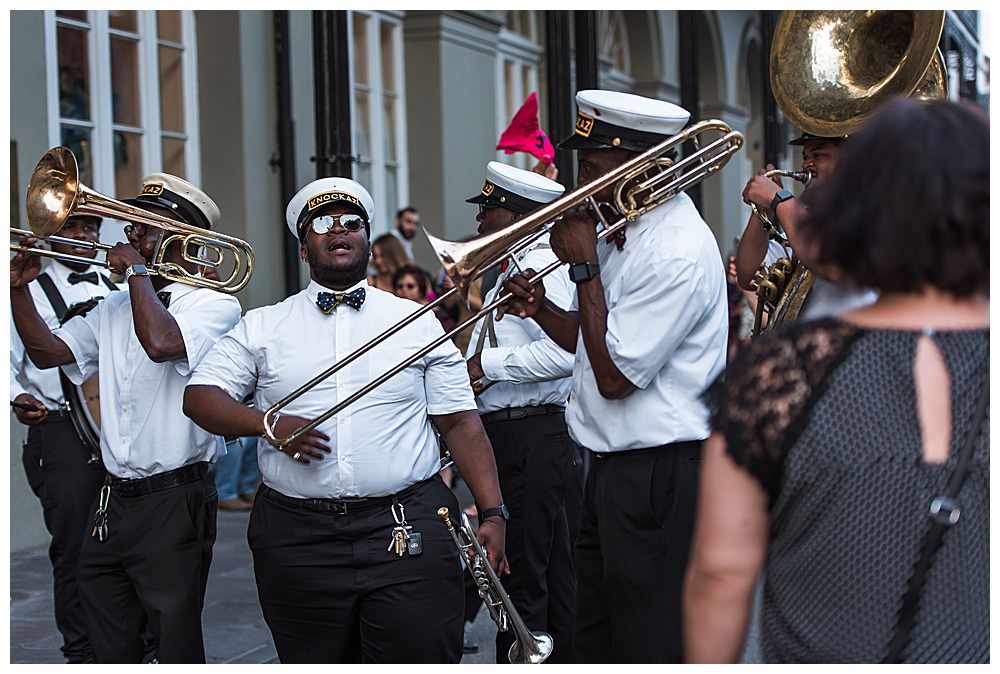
<point>232,622</point>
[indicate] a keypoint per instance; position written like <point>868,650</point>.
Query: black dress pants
<point>57,466</point>
<point>332,593</point>
<point>632,554</point>
<point>535,462</point>
<point>153,567</point>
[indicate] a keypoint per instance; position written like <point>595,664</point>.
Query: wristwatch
<point>136,270</point>
<point>500,511</point>
<point>782,195</point>
<point>583,271</point>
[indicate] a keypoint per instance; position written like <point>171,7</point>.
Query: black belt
<point>57,416</point>
<point>673,446</point>
<point>172,478</point>
<point>514,413</point>
<point>341,506</point>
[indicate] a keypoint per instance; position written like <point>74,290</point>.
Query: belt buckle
<point>515,414</point>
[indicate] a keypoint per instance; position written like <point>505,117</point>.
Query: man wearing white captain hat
<point>649,328</point>
<point>332,583</point>
<point>147,550</point>
<point>522,380</point>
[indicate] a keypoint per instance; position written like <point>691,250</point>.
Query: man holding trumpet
<point>148,545</point>
<point>352,562</point>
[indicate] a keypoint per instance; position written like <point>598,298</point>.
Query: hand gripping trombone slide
<point>641,184</point>
<point>529,647</point>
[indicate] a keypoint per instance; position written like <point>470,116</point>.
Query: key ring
<point>401,518</point>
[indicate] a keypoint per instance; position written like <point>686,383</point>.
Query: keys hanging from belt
<point>404,539</point>
<point>100,531</point>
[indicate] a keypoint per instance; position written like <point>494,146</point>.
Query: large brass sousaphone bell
<point>830,71</point>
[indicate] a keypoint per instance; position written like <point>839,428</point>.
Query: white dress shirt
<point>24,376</point>
<point>380,444</point>
<point>668,324</point>
<point>528,367</point>
<point>143,427</point>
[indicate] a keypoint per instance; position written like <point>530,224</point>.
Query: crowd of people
<point>639,472</point>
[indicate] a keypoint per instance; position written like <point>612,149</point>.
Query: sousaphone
<point>830,71</point>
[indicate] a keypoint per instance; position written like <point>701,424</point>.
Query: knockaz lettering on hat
<point>327,197</point>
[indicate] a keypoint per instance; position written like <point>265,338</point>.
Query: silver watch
<point>136,270</point>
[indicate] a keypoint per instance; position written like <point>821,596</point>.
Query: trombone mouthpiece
<point>443,513</point>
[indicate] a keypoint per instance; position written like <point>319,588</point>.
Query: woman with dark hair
<point>832,438</point>
<point>388,255</point>
<point>414,283</point>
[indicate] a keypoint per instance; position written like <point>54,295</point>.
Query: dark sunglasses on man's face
<point>483,208</point>
<point>140,230</point>
<point>348,221</point>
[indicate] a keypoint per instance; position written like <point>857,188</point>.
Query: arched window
<point>613,51</point>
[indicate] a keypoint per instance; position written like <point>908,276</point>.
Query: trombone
<point>55,193</point>
<point>641,184</point>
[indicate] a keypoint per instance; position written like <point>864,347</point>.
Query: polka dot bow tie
<point>327,301</point>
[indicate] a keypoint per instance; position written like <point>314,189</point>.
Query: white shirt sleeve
<point>541,359</point>
<point>82,335</point>
<point>17,356</point>
<point>229,364</point>
<point>659,303</point>
<point>446,377</point>
<point>201,326</point>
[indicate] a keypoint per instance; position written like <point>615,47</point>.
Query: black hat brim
<point>578,142</point>
<point>808,137</point>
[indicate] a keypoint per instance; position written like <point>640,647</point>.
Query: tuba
<point>830,71</point>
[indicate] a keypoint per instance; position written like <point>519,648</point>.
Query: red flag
<point>524,135</point>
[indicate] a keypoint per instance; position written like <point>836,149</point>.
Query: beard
<point>337,276</point>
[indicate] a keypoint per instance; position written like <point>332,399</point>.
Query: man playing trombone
<point>56,461</point>
<point>649,329</point>
<point>521,378</point>
<point>351,560</point>
<point>148,542</point>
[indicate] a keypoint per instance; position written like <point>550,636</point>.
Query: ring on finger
<point>297,456</point>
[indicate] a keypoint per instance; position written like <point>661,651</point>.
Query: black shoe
<point>469,647</point>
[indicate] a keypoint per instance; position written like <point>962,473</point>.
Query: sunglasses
<point>140,230</point>
<point>349,222</point>
<point>484,207</point>
<point>406,286</point>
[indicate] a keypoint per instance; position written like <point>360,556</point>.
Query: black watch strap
<point>500,511</point>
<point>782,195</point>
<point>583,271</point>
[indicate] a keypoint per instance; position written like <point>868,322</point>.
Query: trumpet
<point>640,185</point>
<point>529,647</point>
<point>55,193</point>
<point>802,176</point>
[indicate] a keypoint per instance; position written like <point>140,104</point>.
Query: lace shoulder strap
<point>761,402</point>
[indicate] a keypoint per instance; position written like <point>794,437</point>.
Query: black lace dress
<point>824,416</point>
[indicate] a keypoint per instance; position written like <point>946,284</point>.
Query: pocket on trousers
<point>661,489</point>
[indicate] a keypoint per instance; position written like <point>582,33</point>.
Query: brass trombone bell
<point>832,69</point>
<point>55,193</point>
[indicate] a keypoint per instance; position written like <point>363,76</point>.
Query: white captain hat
<point>310,199</point>
<point>516,189</point>
<point>179,196</point>
<point>613,119</point>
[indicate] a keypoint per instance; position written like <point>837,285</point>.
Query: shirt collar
<point>177,290</point>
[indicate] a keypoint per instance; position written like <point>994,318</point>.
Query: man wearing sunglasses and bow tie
<point>57,463</point>
<point>332,584</point>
